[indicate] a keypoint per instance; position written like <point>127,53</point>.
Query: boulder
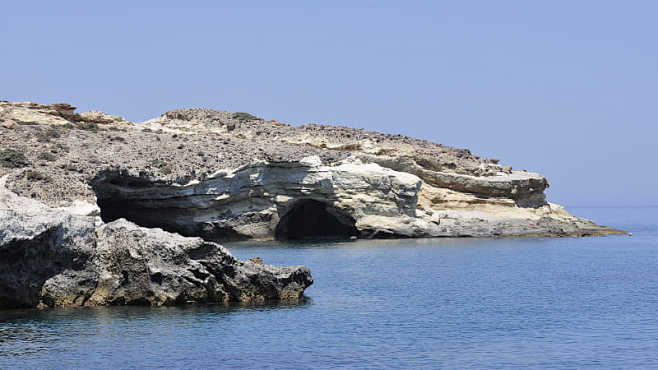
<point>53,258</point>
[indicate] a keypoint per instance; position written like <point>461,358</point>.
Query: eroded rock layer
<point>221,175</point>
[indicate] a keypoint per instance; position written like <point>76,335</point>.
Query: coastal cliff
<point>101,188</point>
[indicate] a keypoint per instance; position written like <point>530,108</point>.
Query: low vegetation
<point>243,116</point>
<point>89,126</point>
<point>63,147</point>
<point>162,165</point>
<point>33,175</point>
<point>45,136</point>
<point>13,158</point>
<point>159,163</point>
<point>49,157</point>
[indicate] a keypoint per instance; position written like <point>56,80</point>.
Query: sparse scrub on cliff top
<point>162,165</point>
<point>158,163</point>
<point>13,158</point>
<point>36,176</point>
<point>50,157</point>
<point>45,136</point>
<point>89,126</point>
<point>243,116</point>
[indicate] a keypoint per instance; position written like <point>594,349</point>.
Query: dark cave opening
<point>312,219</point>
<point>116,196</point>
<point>115,208</point>
<point>141,201</point>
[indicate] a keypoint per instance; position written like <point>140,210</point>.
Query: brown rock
<point>9,124</point>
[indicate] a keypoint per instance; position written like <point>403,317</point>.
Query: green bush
<point>89,126</point>
<point>162,165</point>
<point>50,157</point>
<point>243,116</point>
<point>13,158</point>
<point>63,147</point>
<point>69,167</point>
<point>159,163</point>
<point>36,176</point>
<point>45,136</point>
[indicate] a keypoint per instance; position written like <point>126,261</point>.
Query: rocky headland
<point>97,210</point>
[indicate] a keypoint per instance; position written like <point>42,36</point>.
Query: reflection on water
<point>382,243</point>
<point>29,331</point>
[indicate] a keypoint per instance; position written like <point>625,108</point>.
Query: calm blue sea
<point>442,303</point>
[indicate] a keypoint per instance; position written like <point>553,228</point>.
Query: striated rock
<point>52,258</point>
<point>29,113</point>
<point>221,175</point>
<point>262,200</point>
<point>91,205</point>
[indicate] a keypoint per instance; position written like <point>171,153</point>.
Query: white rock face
<point>250,201</point>
<point>222,175</point>
<point>90,203</point>
<point>267,200</point>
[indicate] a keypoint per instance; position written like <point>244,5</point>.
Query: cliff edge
<point>226,176</point>
<point>97,210</point>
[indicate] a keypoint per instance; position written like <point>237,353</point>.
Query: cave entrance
<point>115,204</point>
<point>123,196</point>
<point>311,219</point>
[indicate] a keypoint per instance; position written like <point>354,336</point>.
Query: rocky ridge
<point>224,176</point>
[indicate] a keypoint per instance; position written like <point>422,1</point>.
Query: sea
<point>555,303</point>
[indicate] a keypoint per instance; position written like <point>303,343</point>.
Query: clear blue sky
<point>565,88</point>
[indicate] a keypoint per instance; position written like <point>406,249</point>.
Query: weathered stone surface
<point>138,265</point>
<point>222,175</point>
<point>82,215</point>
<point>251,201</point>
<point>52,258</point>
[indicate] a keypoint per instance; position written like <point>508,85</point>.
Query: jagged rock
<point>52,258</point>
<point>139,265</point>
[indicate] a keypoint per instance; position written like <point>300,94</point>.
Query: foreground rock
<point>220,175</point>
<point>54,257</point>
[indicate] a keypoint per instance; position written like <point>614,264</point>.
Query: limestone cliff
<point>221,176</point>
<point>91,204</point>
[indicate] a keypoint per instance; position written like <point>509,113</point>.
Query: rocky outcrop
<point>221,175</point>
<point>97,210</point>
<point>54,258</point>
<point>55,114</point>
<point>261,200</point>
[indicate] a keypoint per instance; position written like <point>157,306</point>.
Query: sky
<point>568,89</point>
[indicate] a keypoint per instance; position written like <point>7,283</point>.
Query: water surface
<point>452,303</point>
